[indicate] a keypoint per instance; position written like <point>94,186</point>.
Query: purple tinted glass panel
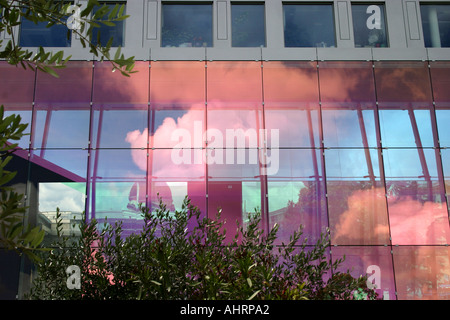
<point>290,83</point>
<point>407,128</point>
<point>119,126</point>
<point>60,127</point>
<point>292,127</point>
<point>416,197</point>
<point>25,114</point>
<point>356,197</point>
<point>177,82</point>
<point>61,91</point>
<point>421,273</point>
<point>440,77</point>
<point>375,262</point>
<point>346,83</point>
<point>296,194</point>
<point>113,87</point>
<point>16,85</point>
<point>347,127</point>
<point>234,83</point>
<point>402,83</point>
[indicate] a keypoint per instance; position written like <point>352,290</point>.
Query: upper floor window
<point>247,25</point>
<point>187,25</point>
<point>102,34</point>
<point>309,25</point>
<point>41,35</point>
<point>369,25</point>
<point>436,25</point>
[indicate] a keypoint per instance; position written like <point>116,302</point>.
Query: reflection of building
<point>362,129</point>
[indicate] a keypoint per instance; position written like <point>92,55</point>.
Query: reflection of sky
<point>68,196</point>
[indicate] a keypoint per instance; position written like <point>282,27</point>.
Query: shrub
<point>171,261</point>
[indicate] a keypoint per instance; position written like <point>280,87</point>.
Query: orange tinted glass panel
<point>440,77</point>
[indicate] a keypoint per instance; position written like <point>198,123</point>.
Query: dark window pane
<point>107,32</point>
<point>247,25</point>
<point>369,25</point>
<point>187,25</point>
<point>37,35</point>
<point>436,25</point>
<point>309,25</point>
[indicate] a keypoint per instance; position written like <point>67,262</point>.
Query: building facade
<point>326,114</point>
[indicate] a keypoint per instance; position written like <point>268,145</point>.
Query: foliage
<point>183,255</point>
<point>58,12</point>
<point>13,234</point>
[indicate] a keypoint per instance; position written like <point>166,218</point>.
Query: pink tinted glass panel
<point>290,82</point>
<point>177,82</point>
<point>422,272</point>
<point>234,82</point>
<point>346,83</point>
<point>403,83</point>
<point>296,194</point>
<point>113,87</point>
<point>356,197</point>
<point>375,262</point>
<point>51,91</point>
<point>16,85</point>
<point>440,77</point>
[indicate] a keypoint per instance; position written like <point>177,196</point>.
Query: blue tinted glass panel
<point>247,25</point>
<point>38,35</point>
<point>105,32</point>
<point>369,26</point>
<point>187,25</point>
<point>436,25</point>
<point>309,25</point>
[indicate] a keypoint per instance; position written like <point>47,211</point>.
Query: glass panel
<point>296,195</point>
<point>402,83</point>
<point>234,82</point>
<point>119,127</point>
<point>186,25</point>
<point>369,25</point>
<point>172,180</point>
<point>113,88</point>
<point>356,197</point>
<point>39,35</point>
<point>416,198</point>
<point>406,128</point>
<point>422,273</point>
<point>445,155</point>
<point>293,127</point>
<point>118,185</point>
<point>309,25</point>
<point>177,82</point>
<point>16,85</point>
<point>61,91</point>
<point>290,83</point>
<point>436,25</point>
<point>347,127</point>
<point>177,128</point>
<point>440,78</point>
<point>247,25</point>
<point>105,32</point>
<point>60,127</point>
<point>375,262</point>
<point>346,83</point>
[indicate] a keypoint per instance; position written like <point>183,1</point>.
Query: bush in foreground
<point>171,261</point>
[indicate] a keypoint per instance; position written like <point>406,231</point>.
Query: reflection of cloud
<point>64,196</point>
<point>411,222</point>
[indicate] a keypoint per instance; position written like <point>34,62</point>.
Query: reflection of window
<point>369,25</point>
<point>186,25</point>
<point>105,32</point>
<point>247,25</point>
<point>309,25</point>
<point>39,35</point>
<point>436,25</point>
